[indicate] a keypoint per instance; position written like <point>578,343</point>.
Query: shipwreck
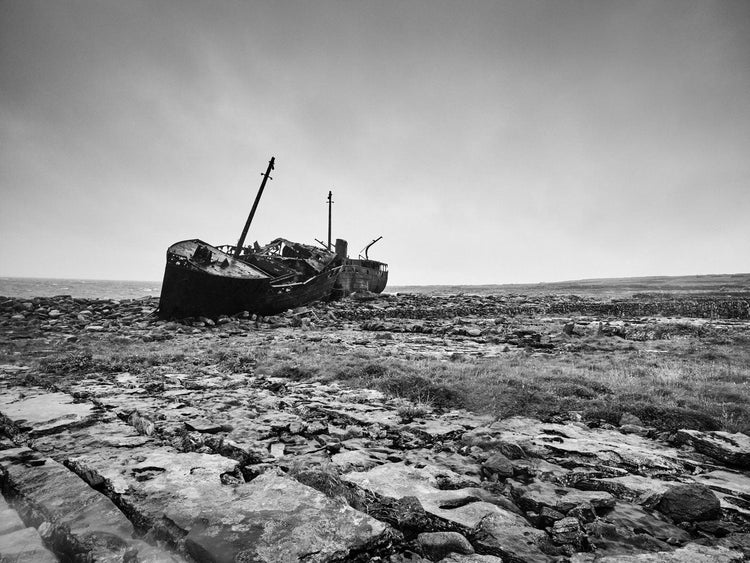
<point>205,280</point>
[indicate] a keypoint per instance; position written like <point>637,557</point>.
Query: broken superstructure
<point>360,274</point>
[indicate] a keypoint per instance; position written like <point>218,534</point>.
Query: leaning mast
<point>266,177</point>
<point>330,203</point>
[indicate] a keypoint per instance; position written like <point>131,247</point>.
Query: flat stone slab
<point>24,546</point>
<point>81,521</point>
<point>730,482</point>
<point>628,487</point>
<point>355,460</point>
<point>507,531</point>
<point>732,488</point>
<point>608,447</point>
<point>473,558</point>
<point>465,466</point>
<point>499,535</point>
<point>12,369</point>
<point>636,519</point>
<point>461,506</point>
<point>467,419</point>
<point>436,428</point>
<point>277,519</point>
<point>108,433</point>
<point>40,412</point>
<point>9,519</point>
<point>272,518</point>
<point>204,425</point>
<point>159,484</point>
<point>84,521</point>
<point>541,493</point>
<point>692,553</point>
<point>362,413</point>
<point>732,449</point>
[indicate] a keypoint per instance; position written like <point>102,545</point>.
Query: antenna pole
<point>266,177</point>
<point>330,203</point>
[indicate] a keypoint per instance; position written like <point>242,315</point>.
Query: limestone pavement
<point>228,465</point>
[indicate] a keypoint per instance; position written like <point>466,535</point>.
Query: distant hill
<point>611,287</point>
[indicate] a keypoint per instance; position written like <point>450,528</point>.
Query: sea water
<point>103,289</point>
<point>91,289</point>
<point>128,289</point>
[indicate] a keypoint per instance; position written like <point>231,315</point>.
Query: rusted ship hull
<point>277,298</point>
<point>201,280</point>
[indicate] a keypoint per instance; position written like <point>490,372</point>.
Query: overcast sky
<point>486,141</point>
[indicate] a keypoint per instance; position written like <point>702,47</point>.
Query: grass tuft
<point>681,384</point>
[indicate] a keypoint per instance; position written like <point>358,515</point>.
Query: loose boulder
<point>437,545</point>
<point>689,503</point>
<point>497,466</point>
<point>568,531</point>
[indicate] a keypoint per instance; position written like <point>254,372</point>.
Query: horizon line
<point>567,281</point>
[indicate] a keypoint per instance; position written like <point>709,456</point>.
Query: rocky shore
<point>129,438</point>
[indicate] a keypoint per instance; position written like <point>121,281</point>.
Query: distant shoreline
<point>605,287</point>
